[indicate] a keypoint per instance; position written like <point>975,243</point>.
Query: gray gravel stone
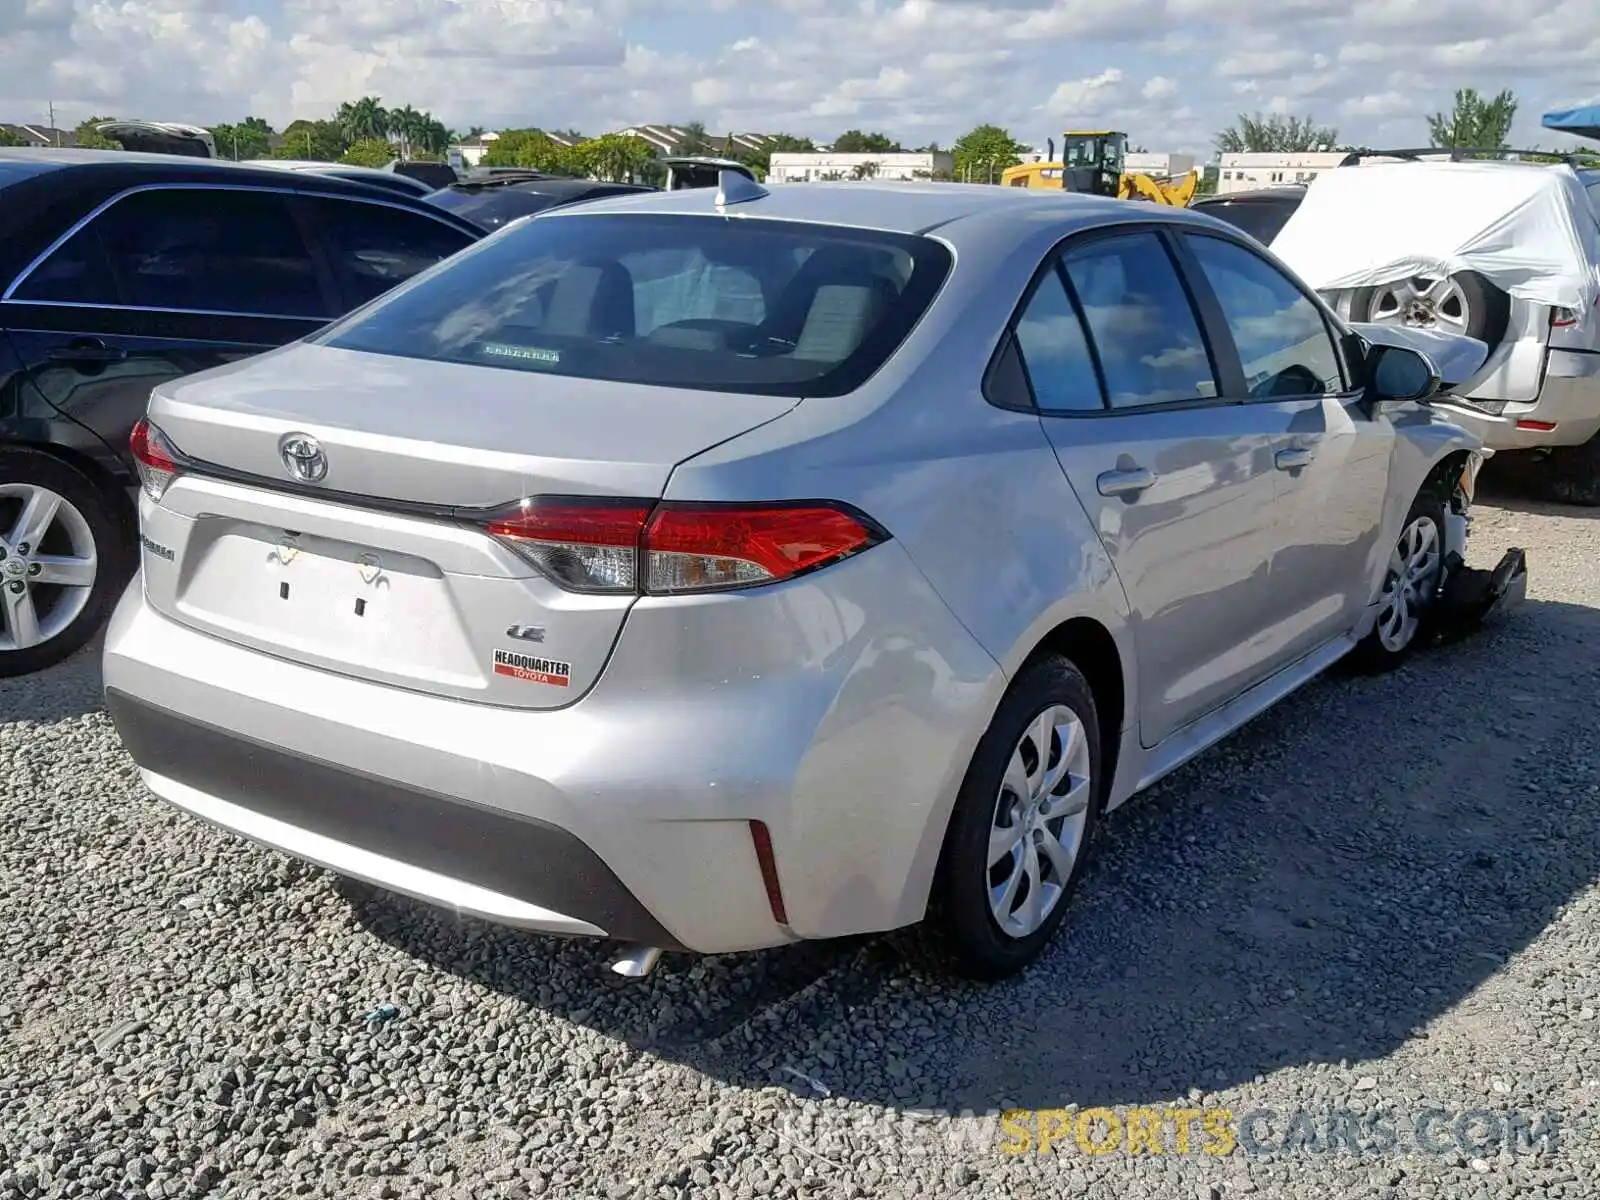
<point>1379,898</point>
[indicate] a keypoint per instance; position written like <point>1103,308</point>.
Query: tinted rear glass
<point>768,307</point>
<point>492,207</point>
<point>1261,219</point>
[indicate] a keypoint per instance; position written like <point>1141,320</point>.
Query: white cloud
<point>1377,104</point>
<point>1085,97</point>
<point>917,69</point>
<point>1159,87</point>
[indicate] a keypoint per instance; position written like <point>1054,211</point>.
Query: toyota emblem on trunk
<point>302,455</point>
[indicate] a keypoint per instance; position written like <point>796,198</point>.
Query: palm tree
<point>365,118</point>
<point>865,170</point>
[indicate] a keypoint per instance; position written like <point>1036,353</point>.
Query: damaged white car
<point>1512,260</point>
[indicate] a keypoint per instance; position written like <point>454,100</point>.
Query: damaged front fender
<point>1470,597</point>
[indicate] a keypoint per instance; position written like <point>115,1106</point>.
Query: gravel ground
<point>1384,896</point>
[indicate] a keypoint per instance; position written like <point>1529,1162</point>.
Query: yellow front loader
<point>1093,162</point>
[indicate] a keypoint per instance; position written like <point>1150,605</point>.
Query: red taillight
<point>672,549</point>
<point>697,548</point>
<point>585,547</point>
<point>1536,426</point>
<point>154,457</point>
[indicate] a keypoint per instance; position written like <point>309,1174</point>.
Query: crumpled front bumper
<point>1471,597</point>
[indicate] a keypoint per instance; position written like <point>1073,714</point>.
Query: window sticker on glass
<point>531,354</point>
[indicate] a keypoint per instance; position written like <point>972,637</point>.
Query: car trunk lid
<point>382,566</point>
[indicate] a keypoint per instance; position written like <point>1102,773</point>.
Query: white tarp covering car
<point>1507,253</point>
<point>1529,231</point>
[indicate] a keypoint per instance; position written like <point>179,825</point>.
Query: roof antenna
<point>735,187</point>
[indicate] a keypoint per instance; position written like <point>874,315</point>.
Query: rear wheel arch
<point>113,488</point>
<point>1090,647</point>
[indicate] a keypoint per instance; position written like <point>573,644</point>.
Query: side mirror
<point>1396,374</point>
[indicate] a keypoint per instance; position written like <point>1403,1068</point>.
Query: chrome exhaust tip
<point>636,961</point>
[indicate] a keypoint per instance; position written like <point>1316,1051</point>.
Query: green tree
<point>864,170</point>
<point>854,141</point>
<point>532,148</point>
<point>7,138</point>
<point>695,140</point>
<point>319,141</point>
<point>982,154</point>
<point>369,152</point>
<point>433,138</point>
<point>250,138</point>
<point>1474,122</point>
<point>1276,134</point>
<point>612,157</point>
<point>362,119</point>
<point>87,137</point>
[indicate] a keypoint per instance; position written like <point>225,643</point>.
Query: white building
<point>1244,172</point>
<point>902,167</point>
<point>1160,166</point>
<point>473,149</point>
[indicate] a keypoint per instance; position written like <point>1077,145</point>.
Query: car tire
<point>1411,584</point>
<point>84,541</point>
<point>1485,310</point>
<point>1571,474</point>
<point>1049,702</point>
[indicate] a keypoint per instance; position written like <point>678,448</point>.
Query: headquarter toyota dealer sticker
<point>532,670</point>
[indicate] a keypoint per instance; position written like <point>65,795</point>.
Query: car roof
<point>548,186</point>
<point>891,207</point>
<point>131,168</point>
<point>46,190</point>
<point>1290,191</point>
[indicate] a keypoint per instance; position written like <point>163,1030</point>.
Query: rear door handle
<point>87,350</point>
<point>1126,483</point>
<point>1294,459</point>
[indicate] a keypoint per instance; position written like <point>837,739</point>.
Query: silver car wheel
<point>47,565</point>
<point>1409,583</point>
<point>1422,303</point>
<point>1039,821</point>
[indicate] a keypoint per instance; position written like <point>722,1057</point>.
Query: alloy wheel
<point>1409,583</point>
<point>1039,821</point>
<point>1422,303</point>
<point>48,565</point>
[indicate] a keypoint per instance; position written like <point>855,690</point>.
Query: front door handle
<point>1294,459</point>
<point>1128,482</point>
<point>86,350</point>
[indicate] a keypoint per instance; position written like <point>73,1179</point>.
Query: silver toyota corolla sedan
<point>712,569</point>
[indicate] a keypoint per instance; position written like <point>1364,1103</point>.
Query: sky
<point>1170,73</point>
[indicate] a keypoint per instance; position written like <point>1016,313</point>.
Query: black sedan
<point>119,271</point>
<point>490,201</point>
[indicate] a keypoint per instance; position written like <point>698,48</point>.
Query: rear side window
<point>491,207</point>
<point>77,273</point>
<point>754,306</point>
<point>1261,219</point>
<point>1055,351</point>
<point>188,249</point>
<point>1143,325</point>
<point>374,246</point>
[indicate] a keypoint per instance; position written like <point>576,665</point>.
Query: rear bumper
<point>1569,403</point>
<point>840,710</point>
<point>475,859</point>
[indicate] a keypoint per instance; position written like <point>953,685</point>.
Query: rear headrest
<point>841,316</point>
<point>591,300</point>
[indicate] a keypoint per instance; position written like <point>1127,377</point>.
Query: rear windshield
<point>491,207</point>
<point>766,307</point>
<point>1261,219</point>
